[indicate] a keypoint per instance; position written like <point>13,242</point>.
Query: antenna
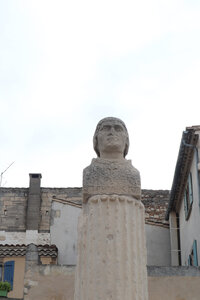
<point>1,176</point>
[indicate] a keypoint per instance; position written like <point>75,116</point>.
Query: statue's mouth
<point>112,138</point>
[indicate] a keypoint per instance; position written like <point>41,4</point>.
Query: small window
<point>193,258</point>
<point>188,197</point>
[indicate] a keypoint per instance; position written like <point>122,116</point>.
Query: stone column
<point>111,236</point>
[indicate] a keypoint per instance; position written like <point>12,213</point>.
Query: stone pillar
<point>112,256</point>
<point>111,235</point>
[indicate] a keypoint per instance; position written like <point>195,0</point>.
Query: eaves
<point>185,156</point>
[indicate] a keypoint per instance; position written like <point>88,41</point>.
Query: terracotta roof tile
<point>156,203</point>
<point>20,250</point>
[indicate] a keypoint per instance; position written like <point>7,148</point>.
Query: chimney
<point>34,202</point>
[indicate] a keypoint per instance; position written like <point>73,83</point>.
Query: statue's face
<point>112,137</point>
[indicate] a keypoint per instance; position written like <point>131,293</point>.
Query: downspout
<point>178,238</point>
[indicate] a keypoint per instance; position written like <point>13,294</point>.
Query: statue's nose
<point>111,131</point>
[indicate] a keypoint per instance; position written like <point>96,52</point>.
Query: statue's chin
<point>112,151</point>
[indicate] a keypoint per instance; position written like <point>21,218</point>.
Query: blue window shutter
<point>190,188</point>
<point>9,272</point>
<point>1,272</point>
<point>189,260</point>
<point>194,247</point>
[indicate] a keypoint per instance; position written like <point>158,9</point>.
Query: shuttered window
<point>194,250</point>
<point>9,272</point>
<point>188,197</point>
<point>193,258</point>
<point>1,272</point>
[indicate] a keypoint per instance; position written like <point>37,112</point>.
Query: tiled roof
<point>12,250</point>
<point>156,203</point>
<point>47,250</point>
<point>186,152</point>
<point>20,250</point>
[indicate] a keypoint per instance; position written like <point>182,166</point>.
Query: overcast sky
<point>64,65</point>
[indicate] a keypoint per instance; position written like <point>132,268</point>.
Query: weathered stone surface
<point>34,203</point>
<point>13,207</point>
<point>156,203</point>
<point>105,176</point>
<point>49,283</point>
<point>57,283</point>
<point>112,256</point>
<point>111,244</point>
<point>13,204</point>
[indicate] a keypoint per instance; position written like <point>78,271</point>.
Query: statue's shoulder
<point>102,166</point>
<point>111,177</point>
<point>89,168</point>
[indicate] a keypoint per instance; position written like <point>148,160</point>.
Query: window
<point>193,258</point>
<point>7,272</point>
<point>188,197</point>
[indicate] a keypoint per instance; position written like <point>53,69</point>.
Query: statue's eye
<point>106,128</point>
<point>118,128</point>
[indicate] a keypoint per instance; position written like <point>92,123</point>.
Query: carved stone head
<point>111,138</point>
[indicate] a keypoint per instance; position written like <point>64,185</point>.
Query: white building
<point>184,205</point>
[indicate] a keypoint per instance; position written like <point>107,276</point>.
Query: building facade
<point>48,218</point>
<point>183,211</point>
<point>38,234</point>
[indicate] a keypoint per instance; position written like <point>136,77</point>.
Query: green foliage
<point>5,286</point>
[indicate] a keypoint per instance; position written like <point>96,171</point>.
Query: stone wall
<point>156,203</point>
<point>58,219</point>
<point>13,205</point>
<point>166,283</point>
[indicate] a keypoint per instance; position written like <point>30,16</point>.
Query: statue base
<point>111,250</point>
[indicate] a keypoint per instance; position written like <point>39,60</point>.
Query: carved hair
<point>95,140</point>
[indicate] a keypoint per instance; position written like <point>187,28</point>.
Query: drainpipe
<point>178,238</point>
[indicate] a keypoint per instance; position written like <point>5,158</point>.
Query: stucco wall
<point>57,283</point>
<point>18,283</point>
<point>64,224</point>
<point>189,229</point>
<point>49,283</point>
<point>174,288</point>
<point>158,245</point>
<point>63,232</point>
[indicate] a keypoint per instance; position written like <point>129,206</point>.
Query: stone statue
<point>111,236</point>
<point>111,139</point>
<point>111,173</point>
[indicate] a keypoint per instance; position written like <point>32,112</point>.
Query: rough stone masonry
<point>111,236</point>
